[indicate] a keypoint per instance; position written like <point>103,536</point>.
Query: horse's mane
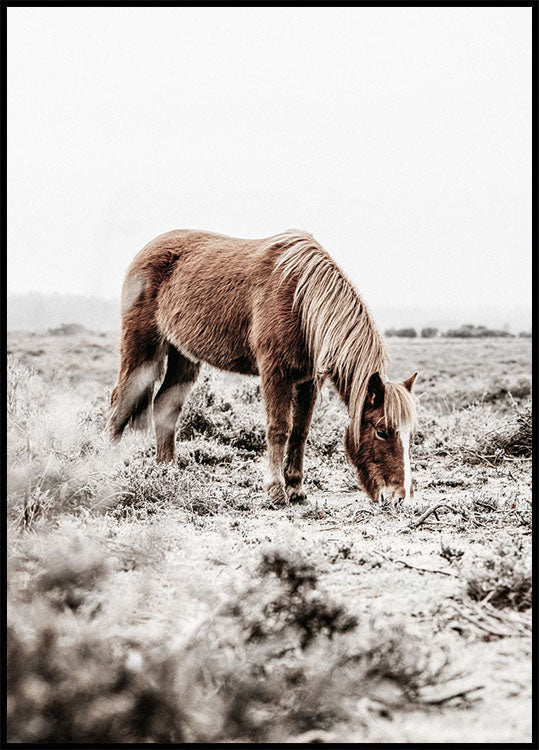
<point>340,334</point>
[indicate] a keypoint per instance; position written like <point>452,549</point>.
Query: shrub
<point>512,437</point>
<point>406,333</point>
<point>70,574</point>
<point>326,436</point>
<point>86,692</point>
<point>208,414</point>
<point>499,389</point>
<point>429,333</point>
<point>275,660</point>
<point>504,578</point>
<point>24,390</point>
<point>470,331</point>
<point>68,329</point>
<point>143,488</point>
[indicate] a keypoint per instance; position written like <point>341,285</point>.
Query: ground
<point>171,603</point>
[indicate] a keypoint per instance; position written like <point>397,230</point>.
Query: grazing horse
<point>280,308</point>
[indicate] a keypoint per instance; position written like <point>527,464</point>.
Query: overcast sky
<point>401,138</point>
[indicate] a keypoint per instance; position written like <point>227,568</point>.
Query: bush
<point>429,333</point>
<point>470,331</point>
<point>208,414</point>
<point>501,389</point>
<point>326,436</point>
<point>86,692</point>
<point>68,329</point>
<point>277,659</point>
<point>143,488</point>
<point>504,578</point>
<point>513,437</point>
<point>405,333</point>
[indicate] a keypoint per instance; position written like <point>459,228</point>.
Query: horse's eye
<point>381,434</point>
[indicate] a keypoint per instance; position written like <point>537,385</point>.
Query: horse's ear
<point>408,383</point>
<point>375,391</point>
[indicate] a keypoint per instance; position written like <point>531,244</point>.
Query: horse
<point>280,308</point>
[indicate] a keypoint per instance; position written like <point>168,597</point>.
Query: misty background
<point>400,137</point>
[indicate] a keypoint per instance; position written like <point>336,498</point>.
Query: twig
<point>426,570</point>
<point>487,618</point>
<point>487,598</point>
<point>480,457</point>
<point>488,629</point>
<point>431,510</point>
<point>435,697</point>
<point>415,567</point>
<point>485,505</point>
<point>358,513</point>
<point>490,612</point>
<point>326,528</point>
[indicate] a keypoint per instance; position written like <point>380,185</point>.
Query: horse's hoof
<point>297,496</point>
<point>277,496</point>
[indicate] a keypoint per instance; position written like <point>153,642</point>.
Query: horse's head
<point>382,453</point>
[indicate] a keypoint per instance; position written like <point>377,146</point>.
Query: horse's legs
<point>179,378</point>
<point>277,392</point>
<point>302,412</point>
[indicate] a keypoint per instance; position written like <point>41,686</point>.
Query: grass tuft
<point>504,578</point>
<point>275,660</point>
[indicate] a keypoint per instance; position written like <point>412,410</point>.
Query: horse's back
<point>204,298</point>
<point>212,296</point>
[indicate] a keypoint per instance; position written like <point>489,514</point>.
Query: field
<point>172,604</point>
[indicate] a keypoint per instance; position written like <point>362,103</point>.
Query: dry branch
<point>415,567</point>
<point>437,694</point>
<point>432,510</point>
<point>488,619</point>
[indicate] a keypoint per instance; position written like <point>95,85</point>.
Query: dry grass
<point>277,659</point>
<point>504,577</point>
<point>512,439</point>
<point>168,604</point>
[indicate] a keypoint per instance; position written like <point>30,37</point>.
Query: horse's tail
<point>143,354</point>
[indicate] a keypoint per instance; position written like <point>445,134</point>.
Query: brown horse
<point>280,308</point>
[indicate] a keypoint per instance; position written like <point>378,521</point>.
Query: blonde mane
<point>340,334</point>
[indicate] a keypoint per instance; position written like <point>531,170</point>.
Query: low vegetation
<point>403,333</point>
<point>470,331</point>
<point>467,331</point>
<point>504,577</point>
<point>170,604</point>
<point>276,660</point>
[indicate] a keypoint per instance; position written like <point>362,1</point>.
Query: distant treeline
<point>37,311</point>
<point>467,331</point>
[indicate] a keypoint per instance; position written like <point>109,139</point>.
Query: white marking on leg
<point>274,474</point>
<point>167,407</point>
<point>405,442</point>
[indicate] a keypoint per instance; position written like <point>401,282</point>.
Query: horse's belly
<point>205,311</point>
<point>225,346</point>
<point>223,358</point>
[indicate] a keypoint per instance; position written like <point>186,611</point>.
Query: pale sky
<point>400,137</point>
